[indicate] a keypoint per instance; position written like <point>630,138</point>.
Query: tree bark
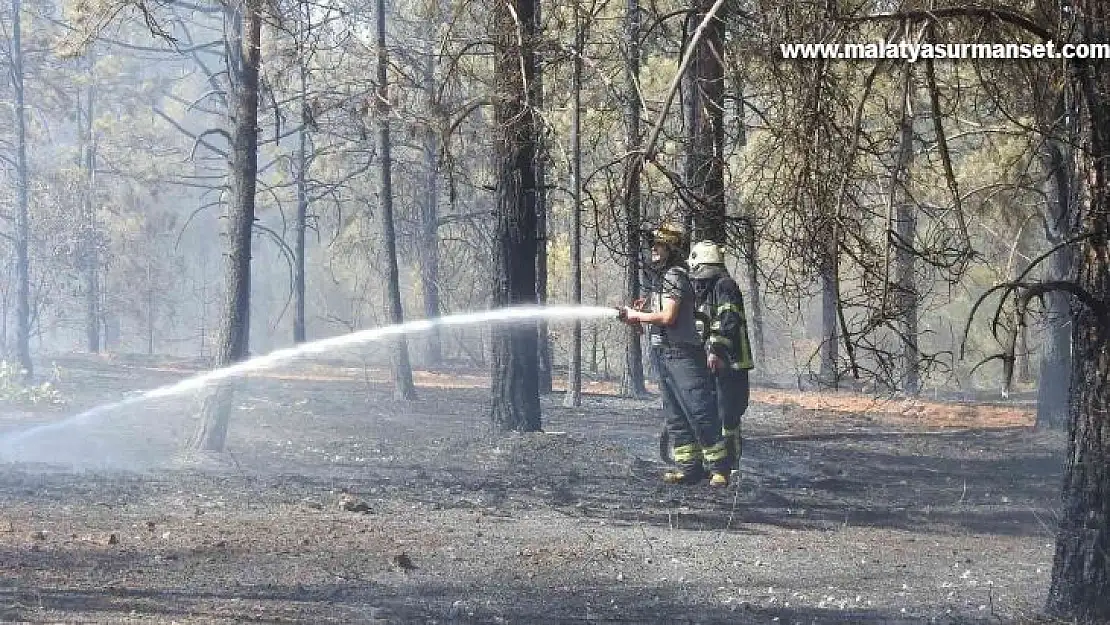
<point>300,224</point>
<point>755,298</point>
<point>514,362</point>
<point>595,330</point>
<point>828,248</point>
<point>23,218</point>
<point>91,235</point>
<point>243,29</point>
<point>905,228</point>
<point>573,397</point>
<point>830,296</point>
<point>546,363</point>
<point>5,311</point>
<point>203,321</point>
<point>429,221</point>
<point>633,381</point>
<point>403,387</point>
<point>1054,383</point>
<point>1021,366</point>
<point>705,163</point>
<point>1080,586</point>
<point>150,306</point>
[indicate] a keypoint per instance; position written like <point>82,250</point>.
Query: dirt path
<point>338,505</point>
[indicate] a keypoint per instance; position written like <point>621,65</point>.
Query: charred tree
<point>403,387</point>
<point>828,255</point>
<point>826,227</point>
<point>905,227</point>
<point>1080,586</point>
<point>749,241</point>
<point>429,219</point>
<point>755,299</point>
<point>546,362</point>
<point>573,397</point>
<point>830,301</point>
<point>1054,383</point>
<point>150,305</point>
<point>514,362</point>
<point>705,118</point>
<point>243,29</point>
<point>1081,568</point>
<point>301,163</point>
<point>633,383</point>
<point>22,212</point>
<point>90,256</point>
<point>300,226</point>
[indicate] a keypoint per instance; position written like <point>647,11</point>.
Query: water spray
<point>518,314</point>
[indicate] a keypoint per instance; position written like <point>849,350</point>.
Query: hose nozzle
<point>622,312</point>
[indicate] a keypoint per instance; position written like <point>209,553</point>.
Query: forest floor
<point>337,504</point>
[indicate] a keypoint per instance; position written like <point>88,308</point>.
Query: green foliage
<point>14,391</point>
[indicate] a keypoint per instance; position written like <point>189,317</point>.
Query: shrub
<point>14,390</point>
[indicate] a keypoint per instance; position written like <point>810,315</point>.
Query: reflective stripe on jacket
<point>722,324</point>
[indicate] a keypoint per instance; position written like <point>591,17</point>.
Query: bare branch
<point>1009,16</point>
<point>197,139</point>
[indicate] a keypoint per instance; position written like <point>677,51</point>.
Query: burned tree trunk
<point>905,228</point>
<point>243,27</point>
<point>90,258</point>
<point>1080,586</point>
<point>633,383</point>
<point>1054,381</point>
<point>300,224</point>
<point>546,363</point>
<point>826,253</point>
<point>907,296</point>
<point>22,214</point>
<point>514,370</point>
<point>573,397</point>
<point>1081,569</point>
<point>755,299</point>
<point>429,221</point>
<point>705,162</point>
<point>830,301</point>
<point>403,387</point>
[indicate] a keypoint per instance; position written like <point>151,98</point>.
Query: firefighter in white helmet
<point>685,383</point>
<point>723,328</point>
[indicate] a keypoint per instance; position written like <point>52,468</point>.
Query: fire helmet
<point>670,235</point>
<point>705,253</point>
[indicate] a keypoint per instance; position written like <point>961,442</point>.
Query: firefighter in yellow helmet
<point>679,358</point>
<point>723,328</point>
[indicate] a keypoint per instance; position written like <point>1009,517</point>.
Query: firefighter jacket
<point>721,322</point>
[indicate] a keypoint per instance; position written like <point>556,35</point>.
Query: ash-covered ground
<point>337,504</point>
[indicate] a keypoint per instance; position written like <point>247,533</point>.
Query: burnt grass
<point>337,504</point>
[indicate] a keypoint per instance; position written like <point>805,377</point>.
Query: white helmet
<point>705,253</point>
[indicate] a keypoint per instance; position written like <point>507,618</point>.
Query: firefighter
<point>679,359</point>
<point>723,328</point>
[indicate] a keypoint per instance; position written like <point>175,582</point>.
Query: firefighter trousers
<point>733,392</point>
<point>689,399</point>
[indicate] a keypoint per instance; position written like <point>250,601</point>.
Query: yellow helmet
<point>669,234</point>
<point>705,253</point>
